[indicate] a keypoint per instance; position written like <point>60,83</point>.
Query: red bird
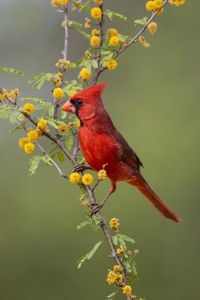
<point>103,145</point>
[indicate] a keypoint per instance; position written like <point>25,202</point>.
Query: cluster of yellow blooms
<point>120,250</point>
<point>115,276</point>
<point>27,143</point>
<point>58,79</point>
<point>95,38</point>
<point>57,3</point>
<point>62,64</point>
<point>114,224</point>
<point>154,5</point>
<point>12,95</point>
<point>86,179</point>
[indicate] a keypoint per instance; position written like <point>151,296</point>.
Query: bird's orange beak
<point>68,106</point>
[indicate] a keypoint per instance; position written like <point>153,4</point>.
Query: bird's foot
<point>80,168</point>
<point>96,207</point>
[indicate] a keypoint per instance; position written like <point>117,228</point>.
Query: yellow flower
<point>42,124</point>
<point>85,74</point>
<point>28,108</point>
<point>112,32</point>
<point>94,41</point>
<point>158,4</point>
<point>58,93</point>
<point>75,178</point>
<point>58,79</point>
<point>111,64</point>
<point>87,179</point>
<point>73,92</point>
<point>177,2</point>
<point>114,224</point>
<point>22,142</point>
<point>150,5</point>
<point>127,290</point>
<point>102,174</point>
<point>13,94</point>
<point>32,135</point>
<point>152,27</point>
<point>63,64</point>
<point>120,250</point>
<point>114,41</point>
<point>117,269</point>
<point>57,3</point>
<point>111,277</point>
<point>98,2</point>
<point>29,148</point>
<point>96,13</point>
<point>95,32</point>
<point>63,127</point>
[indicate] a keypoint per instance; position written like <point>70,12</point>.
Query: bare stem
<point>66,36</point>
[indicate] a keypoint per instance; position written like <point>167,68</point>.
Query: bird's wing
<point>128,156</point>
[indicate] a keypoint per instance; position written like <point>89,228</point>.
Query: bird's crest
<point>94,91</point>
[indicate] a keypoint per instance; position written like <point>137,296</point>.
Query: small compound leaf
<point>5,112</point>
<point>142,21</point>
<point>111,14</point>
<point>83,224</point>
<point>38,80</point>
<point>11,71</point>
<point>89,255</point>
<point>125,238</point>
<point>35,100</point>
<point>34,164</point>
<point>111,296</point>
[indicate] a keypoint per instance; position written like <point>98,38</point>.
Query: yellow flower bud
<point>127,290</point>
<point>22,142</point>
<point>102,174</point>
<point>152,27</point>
<point>32,135</point>
<point>63,127</point>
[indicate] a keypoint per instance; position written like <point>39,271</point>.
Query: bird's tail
<point>145,189</point>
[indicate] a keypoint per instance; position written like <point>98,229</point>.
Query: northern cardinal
<point>103,145</point>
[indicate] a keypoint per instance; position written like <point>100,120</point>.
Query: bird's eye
<point>80,102</point>
<point>77,103</point>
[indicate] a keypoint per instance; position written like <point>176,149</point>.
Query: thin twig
<point>52,161</point>
<point>66,36</point>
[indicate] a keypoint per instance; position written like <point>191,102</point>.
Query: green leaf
<point>111,296</point>
<point>38,80</point>
<point>85,6</point>
<point>111,14</point>
<point>83,224</point>
<point>69,142</point>
<point>89,255</point>
<point>5,112</point>
<point>115,240</point>
<point>60,156</point>
<point>11,71</point>
<point>142,21</point>
<point>16,117</point>
<point>34,164</point>
<point>35,100</point>
<point>125,238</point>
<point>46,160</point>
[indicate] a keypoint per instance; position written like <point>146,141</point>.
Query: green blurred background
<point>153,99</point>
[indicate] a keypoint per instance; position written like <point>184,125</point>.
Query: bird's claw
<point>96,208</point>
